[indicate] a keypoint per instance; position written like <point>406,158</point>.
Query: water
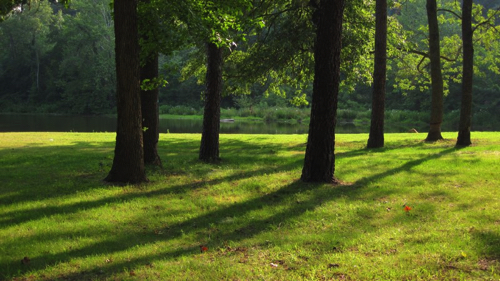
<point>61,123</point>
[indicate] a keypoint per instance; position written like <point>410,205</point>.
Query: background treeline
<point>58,60</point>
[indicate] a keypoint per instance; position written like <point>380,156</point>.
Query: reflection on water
<point>49,123</point>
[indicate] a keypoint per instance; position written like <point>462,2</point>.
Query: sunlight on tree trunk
<point>436,75</point>
<point>209,148</point>
<point>128,163</point>
<point>376,138</point>
<point>319,162</point>
<point>468,72</point>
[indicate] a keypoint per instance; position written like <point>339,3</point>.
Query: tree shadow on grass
<point>281,204</point>
<point>20,216</point>
<point>488,244</point>
<point>32,173</point>
<point>197,225</point>
<point>408,166</point>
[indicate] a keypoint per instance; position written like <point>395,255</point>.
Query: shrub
<point>484,120</point>
<point>164,109</point>
<point>406,116</point>
<point>245,112</point>
<point>182,110</point>
<point>228,113</point>
<point>346,114</point>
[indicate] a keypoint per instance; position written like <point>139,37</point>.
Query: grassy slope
<point>250,210</point>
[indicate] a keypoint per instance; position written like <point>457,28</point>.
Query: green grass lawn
<point>258,221</point>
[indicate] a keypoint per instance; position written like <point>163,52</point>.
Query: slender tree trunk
<point>150,113</point>
<point>376,138</point>
<point>209,148</point>
<point>319,162</point>
<point>128,163</point>
<point>436,76</point>
<point>468,71</point>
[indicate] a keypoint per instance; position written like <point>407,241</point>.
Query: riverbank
<point>249,217</point>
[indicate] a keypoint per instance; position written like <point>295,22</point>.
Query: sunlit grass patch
<point>257,220</point>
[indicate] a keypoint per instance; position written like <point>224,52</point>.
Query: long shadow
<point>20,216</point>
<point>321,194</point>
<point>198,224</point>
<point>488,244</point>
<point>406,167</point>
<point>82,158</point>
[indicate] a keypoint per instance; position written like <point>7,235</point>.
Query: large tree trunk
<point>319,162</point>
<point>150,114</point>
<point>376,138</point>
<point>436,76</point>
<point>128,163</point>
<point>468,71</point>
<point>209,148</point>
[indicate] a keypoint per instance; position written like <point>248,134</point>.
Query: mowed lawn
<point>249,217</point>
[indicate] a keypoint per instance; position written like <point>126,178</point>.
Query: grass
<point>257,219</point>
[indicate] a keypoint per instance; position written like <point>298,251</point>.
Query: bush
<point>364,116</point>
<point>406,116</point>
<point>164,109</point>
<point>346,114</point>
<point>485,120</point>
<point>451,120</point>
<point>245,112</point>
<point>182,110</point>
<point>228,113</point>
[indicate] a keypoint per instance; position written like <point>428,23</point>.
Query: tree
<point>319,162</point>
<point>209,147</point>
<point>376,138</point>
<point>128,163</point>
<point>149,88</point>
<point>7,6</point>
<point>467,74</point>
<point>25,42</point>
<point>217,25</point>
<point>83,59</point>
<point>150,112</point>
<point>436,75</point>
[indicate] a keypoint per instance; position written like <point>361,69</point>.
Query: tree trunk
<point>468,71</point>
<point>128,163</point>
<point>319,162</point>
<point>376,138</point>
<point>436,76</point>
<point>150,114</point>
<point>209,148</point>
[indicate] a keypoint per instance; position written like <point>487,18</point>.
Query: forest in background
<point>61,60</point>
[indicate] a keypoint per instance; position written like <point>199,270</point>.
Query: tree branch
<point>451,12</point>
<point>426,55</point>
<point>418,66</point>
<point>488,21</point>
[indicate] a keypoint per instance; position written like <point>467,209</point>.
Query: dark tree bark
<point>149,98</point>
<point>376,138</point>
<point>436,76</point>
<point>150,114</point>
<point>319,162</point>
<point>209,148</point>
<point>468,71</point>
<point>128,163</point>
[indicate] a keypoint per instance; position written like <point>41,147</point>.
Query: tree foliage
<point>272,66</point>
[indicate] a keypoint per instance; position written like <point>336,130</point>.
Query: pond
<point>61,123</point>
